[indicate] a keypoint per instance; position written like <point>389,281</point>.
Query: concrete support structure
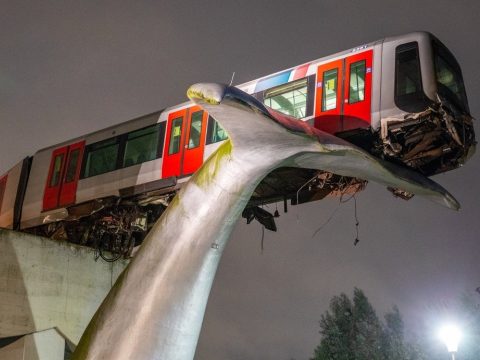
<point>46,284</point>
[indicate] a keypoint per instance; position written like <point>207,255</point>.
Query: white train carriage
<point>400,98</point>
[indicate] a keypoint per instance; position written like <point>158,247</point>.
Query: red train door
<point>195,144</point>
<point>328,107</point>
<point>72,174</point>
<point>343,99</point>
<point>173,152</point>
<point>183,153</point>
<point>358,91</point>
<point>63,175</point>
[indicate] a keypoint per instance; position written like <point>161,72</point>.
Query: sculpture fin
<point>155,309</point>
<point>248,121</point>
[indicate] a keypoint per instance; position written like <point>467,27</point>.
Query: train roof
<point>339,55</point>
<point>245,86</point>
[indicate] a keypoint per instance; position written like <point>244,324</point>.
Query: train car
<point>401,98</point>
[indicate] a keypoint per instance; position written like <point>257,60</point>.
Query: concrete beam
<point>48,283</point>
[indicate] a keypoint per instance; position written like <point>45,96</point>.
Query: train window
<point>72,165</point>
<point>290,98</point>
<point>215,132</point>
<point>449,76</point>
<point>357,82</point>
<point>195,129</point>
<point>141,146</point>
<point>329,93</point>
<point>57,168</point>
<point>409,95</point>
<point>408,80</point>
<point>175,135</point>
<point>101,157</point>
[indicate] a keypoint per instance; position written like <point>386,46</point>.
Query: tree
<point>394,346</point>
<point>351,330</point>
<point>469,349</point>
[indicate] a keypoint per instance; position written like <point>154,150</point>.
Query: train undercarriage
<point>114,226</point>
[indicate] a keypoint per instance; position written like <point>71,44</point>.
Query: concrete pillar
<point>48,284</point>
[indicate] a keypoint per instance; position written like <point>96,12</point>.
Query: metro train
<point>400,98</point>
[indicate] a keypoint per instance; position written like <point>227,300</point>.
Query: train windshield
<point>449,77</point>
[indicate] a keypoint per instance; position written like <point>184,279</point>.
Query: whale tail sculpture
<point>156,307</point>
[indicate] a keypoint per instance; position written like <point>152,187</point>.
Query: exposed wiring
<point>301,187</point>
<point>342,201</point>
<point>357,240</point>
<point>328,220</point>
<point>298,191</point>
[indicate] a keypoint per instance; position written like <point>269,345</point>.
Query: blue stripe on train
<point>272,81</point>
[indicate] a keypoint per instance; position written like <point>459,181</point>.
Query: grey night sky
<point>72,67</point>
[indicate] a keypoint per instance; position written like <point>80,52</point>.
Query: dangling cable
<point>357,240</point>
<point>328,220</point>
<point>298,192</point>
<point>301,187</point>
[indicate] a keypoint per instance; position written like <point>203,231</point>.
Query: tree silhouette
<point>351,330</point>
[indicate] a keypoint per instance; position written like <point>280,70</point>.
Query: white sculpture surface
<point>156,307</point>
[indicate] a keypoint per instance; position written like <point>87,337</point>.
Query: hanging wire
<point>301,187</point>
<point>357,240</point>
<point>328,220</point>
<point>298,191</point>
<point>342,201</point>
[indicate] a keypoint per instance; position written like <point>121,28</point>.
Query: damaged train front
<point>435,132</point>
